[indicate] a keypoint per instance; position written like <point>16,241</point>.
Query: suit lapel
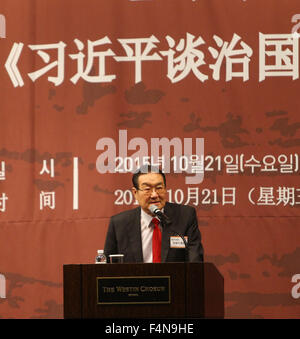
<point>134,231</point>
<point>165,240</point>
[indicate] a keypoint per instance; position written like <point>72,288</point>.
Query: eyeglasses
<point>149,190</point>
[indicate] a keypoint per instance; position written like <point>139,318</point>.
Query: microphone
<point>155,210</point>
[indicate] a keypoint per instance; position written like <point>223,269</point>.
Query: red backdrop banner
<point>207,89</point>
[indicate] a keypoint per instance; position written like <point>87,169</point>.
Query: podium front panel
<point>191,288</point>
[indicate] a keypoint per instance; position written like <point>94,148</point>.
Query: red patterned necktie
<point>156,241</point>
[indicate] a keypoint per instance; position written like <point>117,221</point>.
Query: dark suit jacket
<point>124,235</point>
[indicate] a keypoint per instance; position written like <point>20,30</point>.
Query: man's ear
<point>134,190</point>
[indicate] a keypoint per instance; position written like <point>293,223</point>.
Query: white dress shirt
<point>147,233</point>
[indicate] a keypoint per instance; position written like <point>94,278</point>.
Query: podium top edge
<point>140,263</point>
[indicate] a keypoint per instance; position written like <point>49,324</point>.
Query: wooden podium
<point>164,290</point>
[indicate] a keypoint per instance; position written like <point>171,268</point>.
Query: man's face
<point>151,191</point>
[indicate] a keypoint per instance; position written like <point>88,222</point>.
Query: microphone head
<point>165,220</point>
<point>154,209</point>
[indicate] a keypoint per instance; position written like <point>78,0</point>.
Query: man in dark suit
<point>131,232</point>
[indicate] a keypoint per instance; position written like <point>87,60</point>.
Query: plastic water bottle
<point>100,258</point>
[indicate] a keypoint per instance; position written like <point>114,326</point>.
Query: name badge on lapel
<point>177,242</point>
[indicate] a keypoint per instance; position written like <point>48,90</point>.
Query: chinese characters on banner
<point>229,164</point>
<point>182,58</point>
<point>3,196</point>
<point>47,199</point>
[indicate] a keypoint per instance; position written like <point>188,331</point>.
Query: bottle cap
<point>100,251</point>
